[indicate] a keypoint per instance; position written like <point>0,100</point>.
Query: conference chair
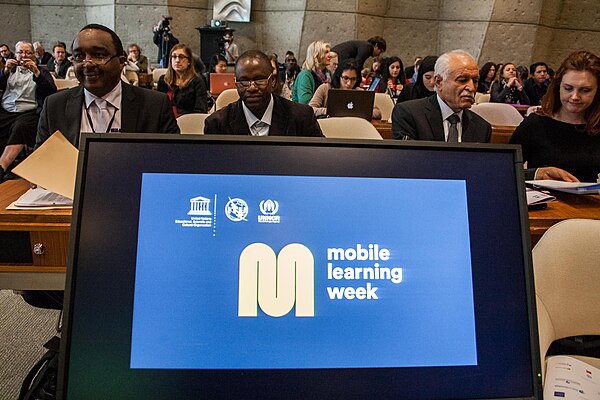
<point>226,97</point>
<point>63,84</point>
<point>482,98</point>
<point>498,113</point>
<point>384,102</point>
<point>566,264</point>
<point>156,74</point>
<point>130,77</point>
<point>348,128</point>
<point>192,123</point>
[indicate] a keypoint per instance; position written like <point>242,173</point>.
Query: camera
<point>165,22</point>
<point>21,62</point>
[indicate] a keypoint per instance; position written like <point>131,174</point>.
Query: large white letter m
<point>275,283</point>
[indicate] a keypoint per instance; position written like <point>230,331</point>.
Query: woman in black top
<point>393,78</point>
<point>425,84</point>
<point>487,73</point>
<point>182,84</point>
<point>563,135</point>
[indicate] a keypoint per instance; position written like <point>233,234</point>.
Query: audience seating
<point>192,123</point>
<point>156,74</point>
<point>348,128</point>
<point>63,84</point>
<point>482,98</point>
<point>498,113</point>
<point>567,283</point>
<point>384,102</point>
<point>226,97</point>
<point>130,77</point>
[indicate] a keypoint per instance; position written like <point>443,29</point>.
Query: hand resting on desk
<point>553,173</point>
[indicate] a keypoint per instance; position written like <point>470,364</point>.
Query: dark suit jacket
<point>289,119</point>
<point>359,50</point>
<point>422,120</point>
<point>142,111</point>
<point>61,71</point>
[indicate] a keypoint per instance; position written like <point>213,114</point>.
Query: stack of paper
<point>535,197</point>
<point>569,378</point>
<point>568,187</point>
<point>39,197</point>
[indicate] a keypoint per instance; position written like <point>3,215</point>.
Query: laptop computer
<point>350,103</point>
<point>221,82</point>
<point>283,268</point>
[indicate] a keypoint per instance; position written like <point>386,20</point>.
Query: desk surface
<point>49,228</point>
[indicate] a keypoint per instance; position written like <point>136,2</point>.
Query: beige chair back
<point>157,73</point>
<point>384,102</point>
<point>498,113</point>
<point>482,97</point>
<point>566,264</point>
<point>226,97</point>
<point>531,109</point>
<point>192,123</point>
<point>130,77</point>
<point>348,128</point>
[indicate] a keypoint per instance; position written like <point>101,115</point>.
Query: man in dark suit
<point>359,50</point>
<point>103,103</point>
<point>59,65</point>
<point>445,116</point>
<point>258,112</point>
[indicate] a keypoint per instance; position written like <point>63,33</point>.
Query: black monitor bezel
<point>86,139</point>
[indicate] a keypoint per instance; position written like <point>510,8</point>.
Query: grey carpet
<point>23,331</point>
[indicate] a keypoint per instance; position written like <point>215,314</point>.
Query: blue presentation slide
<point>279,272</point>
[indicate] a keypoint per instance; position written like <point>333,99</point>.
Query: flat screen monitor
<point>270,268</point>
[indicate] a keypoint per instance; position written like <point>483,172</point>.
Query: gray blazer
<point>143,111</point>
<point>422,120</point>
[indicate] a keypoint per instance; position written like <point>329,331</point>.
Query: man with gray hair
<point>25,88</point>
<point>446,115</point>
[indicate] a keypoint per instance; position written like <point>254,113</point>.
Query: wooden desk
<point>383,127</point>
<point>20,267</point>
<point>567,206</point>
<point>522,108</point>
<point>501,134</point>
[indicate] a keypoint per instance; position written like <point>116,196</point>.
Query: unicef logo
<point>269,207</point>
<point>236,210</point>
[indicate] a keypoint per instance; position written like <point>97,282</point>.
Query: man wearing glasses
<point>25,87</point>
<point>258,112</point>
<point>103,103</point>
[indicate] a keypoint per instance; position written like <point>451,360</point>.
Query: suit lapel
<point>434,116</point>
<point>130,109</point>
<point>467,135</point>
<point>278,124</point>
<point>237,122</point>
<point>74,109</point>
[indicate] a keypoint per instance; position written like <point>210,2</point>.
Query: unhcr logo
<point>269,208</point>
<point>275,283</point>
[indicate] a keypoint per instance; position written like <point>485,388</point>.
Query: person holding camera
<point>164,39</point>
<point>25,88</point>
<point>231,49</point>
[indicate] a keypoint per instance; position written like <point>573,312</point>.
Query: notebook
<point>350,103</point>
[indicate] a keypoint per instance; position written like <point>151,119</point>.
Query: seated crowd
<point>432,97</point>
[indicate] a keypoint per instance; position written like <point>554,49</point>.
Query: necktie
<point>453,131</point>
<point>102,115</point>
<point>260,128</point>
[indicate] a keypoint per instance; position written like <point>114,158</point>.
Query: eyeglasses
<point>23,52</point>
<point>179,57</point>
<point>259,83</point>
<point>348,78</point>
<point>98,60</point>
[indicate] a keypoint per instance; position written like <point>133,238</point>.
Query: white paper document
<point>39,197</point>
<point>535,197</point>
<point>569,378</point>
<point>568,187</point>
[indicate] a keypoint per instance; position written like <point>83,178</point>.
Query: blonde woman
<point>182,84</point>
<point>312,74</point>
